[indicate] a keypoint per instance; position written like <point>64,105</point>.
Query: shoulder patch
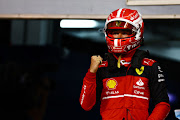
<point>148,62</point>
<point>103,64</point>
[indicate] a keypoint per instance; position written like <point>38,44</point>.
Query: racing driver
<point>125,80</point>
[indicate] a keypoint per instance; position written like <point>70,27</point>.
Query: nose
<point>120,35</point>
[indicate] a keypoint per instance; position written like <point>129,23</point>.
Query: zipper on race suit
<point>128,111</point>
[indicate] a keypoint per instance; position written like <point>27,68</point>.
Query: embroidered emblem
<point>140,71</point>
<point>118,23</point>
<point>111,84</point>
<point>140,82</point>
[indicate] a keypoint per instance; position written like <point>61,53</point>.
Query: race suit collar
<point>124,59</point>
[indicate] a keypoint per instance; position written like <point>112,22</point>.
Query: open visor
<point>119,25</point>
<point>116,27</point>
<point>114,33</point>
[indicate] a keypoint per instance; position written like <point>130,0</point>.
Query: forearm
<point>88,91</point>
<point>160,111</point>
<point>159,94</point>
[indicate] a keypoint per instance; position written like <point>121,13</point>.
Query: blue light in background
<point>172,97</point>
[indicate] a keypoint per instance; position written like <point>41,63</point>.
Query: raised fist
<point>96,60</point>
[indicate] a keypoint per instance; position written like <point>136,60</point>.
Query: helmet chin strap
<point>116,55</point>
<point>123,59</point>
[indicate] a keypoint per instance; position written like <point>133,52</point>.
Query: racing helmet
<point>124,20</point>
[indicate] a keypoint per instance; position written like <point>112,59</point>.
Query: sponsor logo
<point>129,47</point>
<point>138,92</point>
<point>159,68</point>
<point>160,80</point>
<point>123,62</point>
<point>111,84</point>
<point>140,71</point>
<point>138,87</point>
<point>118,23</point>
<point>140,82</point>
<point>146,62</point>
<point>160,75</point>
<point>134,16</point>
<point>83,95</point>
<point>112,92</point>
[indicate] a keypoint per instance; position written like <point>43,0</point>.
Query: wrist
<point>92,71</point>
<point>91,77</point>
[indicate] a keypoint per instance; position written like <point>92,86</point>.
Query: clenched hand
<point>96,60</point>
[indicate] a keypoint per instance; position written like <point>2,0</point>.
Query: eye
<point>125,33</point>
<point>115,32</point>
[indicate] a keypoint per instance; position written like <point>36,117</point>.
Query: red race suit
<point>125,92</point>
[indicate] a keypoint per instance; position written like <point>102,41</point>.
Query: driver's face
<point>121,33</point>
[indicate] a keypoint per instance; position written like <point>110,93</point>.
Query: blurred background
<point>45,50</point>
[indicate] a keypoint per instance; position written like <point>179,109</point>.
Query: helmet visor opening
<point>119,33</point>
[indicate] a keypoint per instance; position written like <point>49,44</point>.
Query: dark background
<point>66,59</point>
